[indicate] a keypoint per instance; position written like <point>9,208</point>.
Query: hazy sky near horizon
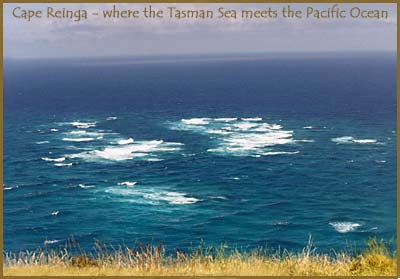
<point>50,38</point>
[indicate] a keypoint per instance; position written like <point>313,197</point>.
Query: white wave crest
<point>53,130</point>
<point>226,119</point>
<point>79,132</point>
<point>127,141</point>
<point>348,139</point>
<point>83,125</point>
<point>63,164</point>
<point>344,227</point>
<point>78,139</point>
<point>61,159</point>
<point>42,142</point>
<point>55,213</point>
<point>111,118</point>
<point>129,151</point>
<point>128,183</point>
<point>171,197</point>
<point>244,137</point>
<point>252,119</point>
<point>83,186</point>
<point>46,242</point>
<point>196,121</point>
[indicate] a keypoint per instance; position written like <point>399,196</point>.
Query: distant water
<point>248,152</point>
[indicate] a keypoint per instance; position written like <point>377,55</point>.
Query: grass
<point>152,261</point>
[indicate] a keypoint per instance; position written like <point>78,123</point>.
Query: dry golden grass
<point>152,261</point>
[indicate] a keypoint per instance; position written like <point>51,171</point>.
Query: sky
<point>97,37</point>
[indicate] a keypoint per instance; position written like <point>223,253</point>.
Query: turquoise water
<point>248,152</point>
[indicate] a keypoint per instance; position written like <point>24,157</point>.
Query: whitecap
<point>348,139</point>
<point>55,213</point>
<point>83,125</point>
<point>344,227</point>
<point>61,159</point>
<point>172,198</point>
<point>220,132</point>
<point>245,125</point>
<point>308,127</point>
<point>78,139</point>
<point>380,161</point>
<point>129,151</point>
<point>9,188</point>
<point>46,242</point>
<point>196,121</point>
<point>127,141</point>
<point>83,186</point>
<point>63,165</point>
<point>226,119</point>
<point>79,132</point>
<point>128,183</point>
<point>111,118</point>
<point>42,142</point>
<point>252,119</point>
<point>53,130</point>
<point>365,141</point>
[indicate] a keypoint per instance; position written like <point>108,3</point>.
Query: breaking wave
<point>345,227</point>
<point>61,159</point>
<point>348,139</point>
<point>128,183</point>
<point>245,137</point>
<point>129,151</point>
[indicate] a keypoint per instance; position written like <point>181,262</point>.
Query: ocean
<point>246,150</point>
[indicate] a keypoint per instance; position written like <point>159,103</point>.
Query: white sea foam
<point>308,127</point>
<point>196,121</point>
<point>244,137</point>
<point>55,213</point>
<point>171,197</point>
<point>46,242</point>
<point>61,159</point>
<point>111,118</point>
<point>129,151</point>
<point>348,139</point>
<point>63,164</point>
<point>252,119</point>
<point>78,139</point>
<point>42,142</point>
<point>152,196</point>
<point>128,183</point>
<point>9,188</point>
<point>78,132</point>
<point>83,125</point>
<point>53,130</point>
<point>127,141</point>
<point>83,186</point>
<point>345,227</point>
<point>365,141</point>
<point>380,161</point>
<point>227,119</point>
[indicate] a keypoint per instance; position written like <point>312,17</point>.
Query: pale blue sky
<point>99,37</point>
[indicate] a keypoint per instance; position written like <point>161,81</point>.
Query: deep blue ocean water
<point>261,150</point>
